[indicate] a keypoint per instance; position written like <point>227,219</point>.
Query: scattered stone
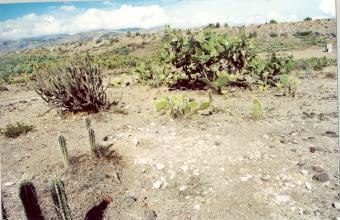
<point>280,199</point>
<point>266,178</point>
<point>321,177</point>
<point>283,140</point>
<point>318,169</point>
<point>150,214</point>
<point>23,101</point>
<point>308,186</point>
<point>129,201</point>
<point>312,149</point>
<point>217,143</point>
<point>157,184</point>
<point>160,166</point>
<point>304,172</point>
<point>197,206</point>
<point>295,142</point>
<point>246,178</point>
<point>336,205</point>
<point>301,163</point>
<point>135,142</point>
<point>9,184</point>
<point>106,138</point>
<point>330,134</point>
<point>182,188</point>
<point>184,168</point>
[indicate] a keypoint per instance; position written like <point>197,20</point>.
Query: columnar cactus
<point>29,200</point>
<point>88,123</point>
<point>60,200</point>
<point>92,140</point>
<point>63,149</point>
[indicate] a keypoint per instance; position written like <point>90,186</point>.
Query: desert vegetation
<point>208,114</point>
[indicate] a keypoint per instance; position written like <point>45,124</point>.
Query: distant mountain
<point>7,46</point>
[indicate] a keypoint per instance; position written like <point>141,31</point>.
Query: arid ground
<point>218,164</point>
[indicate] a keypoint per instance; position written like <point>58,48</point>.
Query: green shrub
<point>253,34</point>
<point>226,25</point>
<point>272,21</point>
<point>14,131</point>
<point>77,87</point>
<point>273,34</point>
<point>307,19</point>
<point>122,50</point>
<point>179,106</point>
<point>303,33</point>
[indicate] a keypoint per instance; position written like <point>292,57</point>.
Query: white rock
<point>184,168</point>
<point>160,166</point>
<point>152,124</point>
<point>337,205</point>
<point>197,206</point>
<point>196,172</point>
<point>135,142</point>
<point>222,169</point>
<point>266,178</point>
<point>141,161</point>
<point>8,184</point>
<point>308,186</point>
<point>246,178</point>
<point>182,188</point>
<point>304,172</point>
<point>157,184</point>
<point>280,199</point>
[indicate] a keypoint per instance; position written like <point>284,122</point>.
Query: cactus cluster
<point>87,123</point>
<point>63,149</point>
<point>257,109</point>
<point>29,200</point>
<point>60,200</point>
<point>179,106</point>
<point>92,140</point>
<point>78,87</point>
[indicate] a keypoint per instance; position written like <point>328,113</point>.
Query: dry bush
<point>78,87</point>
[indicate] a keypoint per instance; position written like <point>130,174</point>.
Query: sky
<point>24,20</point>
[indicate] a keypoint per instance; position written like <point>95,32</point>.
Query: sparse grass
<point>14,131</point>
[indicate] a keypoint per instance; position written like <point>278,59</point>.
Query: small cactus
<point>87,123</point>
<point>60,200</point>
<point>29,200</point>
<point>63,149</point>
<point>92,139</point>
<point>257,109</point>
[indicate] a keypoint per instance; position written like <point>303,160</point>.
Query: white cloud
<point>126,16</point>
<point>328,7</point>
<point>68,19</point>
<point>68,8</point>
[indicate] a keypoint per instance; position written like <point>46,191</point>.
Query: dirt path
<point>221,166</point>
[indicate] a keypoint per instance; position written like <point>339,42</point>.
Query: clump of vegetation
<point>289,84</point>
<point>88,123</point>
<point>77,88</point>
<point>208,59</point>
<point>303,33</point>
<point>253,34</point>
<point>60,200</point>
<point>179,106</point>
<point>122,50</point>
<point>272,21</point>
<point>19,69</point>
<point>257,109</point>
<point>273,34</point>
<point>29,200</point>
<point>14,131</point>
<point>307,19</point>
<point>63,149</point>
<point>226,25</point>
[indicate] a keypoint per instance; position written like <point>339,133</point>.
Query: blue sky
<point>22,20</point>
